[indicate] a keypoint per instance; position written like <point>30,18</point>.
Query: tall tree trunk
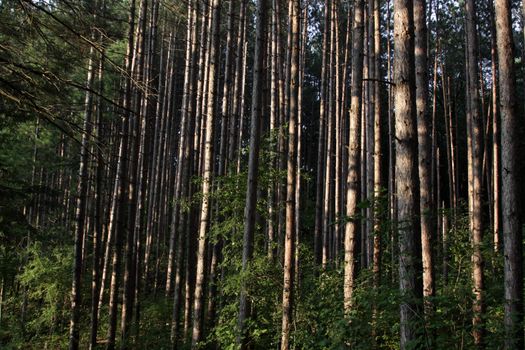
<point>274,118</point>
<point>135,156</point>
<point>81,206</point>
<point>122,168</point>
<point>407,183</point>
<point>200,276</point>
<point>289,241</point>
<point>321,145</point>
<point>511,203</point>
<point>392,204</point>
<point>99,212</point>
<point>338,137</point>
<point>496,173</point>
<point>253,165</point>
<point>352,194</point>
<point>188,86</point>
<point>424,143</point>
<point>328,177</point>
<point>378,180</point>
<point>185,154</point>
<point>474,134</point>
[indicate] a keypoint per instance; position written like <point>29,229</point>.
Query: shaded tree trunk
<point>511,205</point>
<point>253,165</point>
<point>474,135</point>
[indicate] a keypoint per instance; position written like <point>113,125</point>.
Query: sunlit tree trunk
<point>289,241</point>
<point>378,178</point>
<point>407,183</point>
<point>424,143</point>
<point>328,163</point>
<point>496,173</point>
<point>352,194</point>
<point>81,205</point>
<point>318,232</point>
<point>207,160</point>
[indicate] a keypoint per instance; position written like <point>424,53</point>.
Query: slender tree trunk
<point>352,193</point>
<point>253,165</point>
<point>378,180</point>
<point>424,143</point>
<point>321,145</point>
<point>299,188</point>
<point>474,133</point>
<point>274,118</point>
<point>81,206</point>
<point>392,204</point>
<point>99,214</point>
<point>511,205</point>
<point>188,85</point>
<point>328,168</point>
<point>198,311</point>
<point>496,173</point>
<point>288,282</point>
<point>338,181</point>
<point>434,187</point>
<point>122,168</point>
<point>137,134</point>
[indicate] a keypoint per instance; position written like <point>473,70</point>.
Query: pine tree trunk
<point>99,213</point>
<point>424,143</point>
<point>289,241</point>
<point>407,183</point>
<point>352,194</point>
<point>328,168</point>
<point>474,133</point>
<point>184,135</point>
<point>253,165</point>
<point>378,180</point>
<point>511,203</point>
<point>207,161</point>
<point>122,169</point>
<point>318,233</point>
<point>81,206</point>
<point>338,188</point>
<point>496,173</point>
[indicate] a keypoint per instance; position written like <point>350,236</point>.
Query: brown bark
<point>289,241</point>
<point>474,134</point>
<point>81,206</point>
<point>328,163</point>
<point>378,179</point>
<point>512,221</point>
<point>353,156</point>
<point>253,165</point>
<point>496,173</point>
<point>407,183</point>
<point>424,143</point>
<point>318,232</point>
<point>122,168</point>
<point>207,163</point>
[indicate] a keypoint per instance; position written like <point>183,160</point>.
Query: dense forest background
<point>224,174</point>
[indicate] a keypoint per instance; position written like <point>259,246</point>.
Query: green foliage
<point>40,311</point>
